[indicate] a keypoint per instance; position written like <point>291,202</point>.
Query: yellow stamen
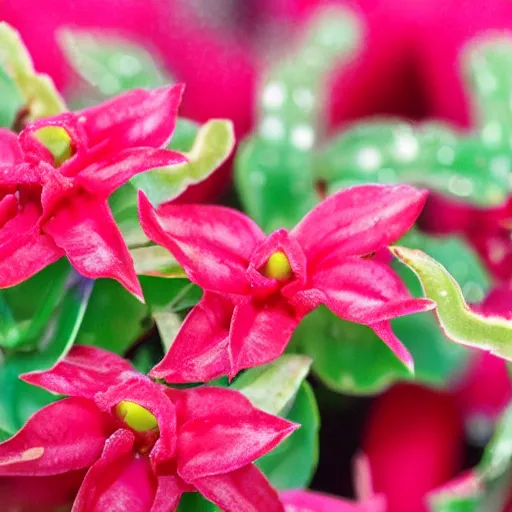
<point>278,267</point>
<point>136,416</point>
<point>57,141</point>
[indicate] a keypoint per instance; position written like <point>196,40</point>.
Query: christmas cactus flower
<point>258,287</point>
<point>144,444</point>
<point>56,177</point>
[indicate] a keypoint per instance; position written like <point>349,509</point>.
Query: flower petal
<point>361,291</point>
<point>259,333</point>
<point>120,481</point>
<point>168,493</point>
<point>359,220</point>
<point>87,232</point>
<point>106,176</point>
<point>385,333</point>
<point>151,396</point>
<point>61,437</point>
<point>212,243</point>
<point>200,351</point>
<point>224,433</point>
<point>84,372</point>
<point>245,490</point>
<point>24,251</point>
<point>136,118</point>
<point>10,150</point>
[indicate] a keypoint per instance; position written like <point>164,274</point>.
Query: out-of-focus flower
<point>144,443</point>
<point>56,177</point>
<point>258,287</point>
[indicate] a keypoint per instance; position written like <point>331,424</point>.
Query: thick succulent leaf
<point>194,501</point>
<point>11,101</point>
<point>112,64</point>
<point>277,157</point>
<point>292,464</point>
<point>212,146</point>
<point>431,155</point>
<point>272,387</point>
<point>457,320</point>
<point>38,91</point>
<point>463,494</point>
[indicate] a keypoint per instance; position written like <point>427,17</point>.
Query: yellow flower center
<point>57,141</point>
<point>278,267</point>
<point>136,416</point>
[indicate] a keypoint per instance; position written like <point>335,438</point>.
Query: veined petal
<point>136,118</point>
<point>361,291</point>
<point>119,481</point>
<point>24,251</point>
<point>259,333</point>
<point>10,150</point>
<point>200,351</point>
<point>61,437</point>
<point>244,490</point>
<point>212,243</point>
<point>106,176</point>
<point>223,441</point>
<point>359,220</point>
<point>310,501</point>
<point>84,372</point>
<point>87,232</point>
<point>168,493</point>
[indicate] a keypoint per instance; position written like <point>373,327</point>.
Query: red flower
<point>144,443</point>
<point>56,177</point>
<point>258,288</point>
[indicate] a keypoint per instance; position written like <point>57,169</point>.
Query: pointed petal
<point>225,436</point>
<point>259,333</point>
<point>119,481</point>
<point>385,333</point>
<point>84,372</point>
<point>307,501</point>
<point>151,396</point>
<point>361,291</point>
<point>136,118</point>
<point>168,493</point>
<point>10,151</point>
<point>244,490</point>
<point>359,220</point>
<point>24,251</point>
<point>212,243</point>
<point>200,351</point>
<point>61,437</point>
<point>106,176</point>
<point>87,232</point>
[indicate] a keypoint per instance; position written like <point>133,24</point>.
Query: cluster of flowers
<point>146,443</point>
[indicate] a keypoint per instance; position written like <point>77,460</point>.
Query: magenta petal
<point>309,501</point>
<point>359,220</point>
<point>244,490</point>
<point>200,351</point>
<point>221,441</point>
<point>10,151</point>
<point>118,481</point>
<point>385,333</point>
<point>212,243</point>
<point>87,232</point>
<point>168,493</point>
<point>24,251</point>
<point>136,118</point>
<point>104,177</point>
<point>61,437</point>
<point>259,333</point>
<point>84,372</point>
<point>361,291</point>
<point>150,395</point>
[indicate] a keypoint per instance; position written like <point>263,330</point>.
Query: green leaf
<point>272,387</point>
<point>39,94</point>
<point>458,322</point>
<point>292,464</point>
<point>112,64</point>
<point>194,502</point>
<point>11,101</point>
<point>154,260</point>
<point>212,146</point>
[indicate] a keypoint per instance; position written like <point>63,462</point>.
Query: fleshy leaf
<point>273,387</point>
<point>112,64</point>
<point>457,320</point>
<point>11,99</point>
<point>464,494</point>
<point>38,91</point>
<point>278,157</point>
<point>212,146</point>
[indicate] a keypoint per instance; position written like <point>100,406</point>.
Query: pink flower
<point>258,287</point>
<point>308,501</point>
<point>56,177</point>
<point>144,443</point>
